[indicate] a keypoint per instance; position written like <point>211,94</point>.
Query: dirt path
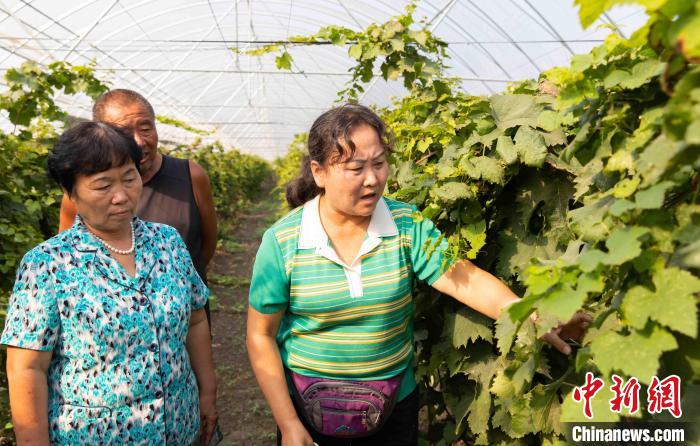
<point>245,418</point>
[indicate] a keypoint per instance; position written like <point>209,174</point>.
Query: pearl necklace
<point>119,251</point>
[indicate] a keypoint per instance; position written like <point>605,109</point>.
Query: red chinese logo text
<point>625,396</point>
<point>662,394</point>
<point>665,395</point>
<point>587,391</point>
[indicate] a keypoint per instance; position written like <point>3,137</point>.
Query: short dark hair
<point>330,143</point>
<point>118,96</point>
<point>90,147</point>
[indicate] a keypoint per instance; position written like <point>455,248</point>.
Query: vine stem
<point>562,378</point>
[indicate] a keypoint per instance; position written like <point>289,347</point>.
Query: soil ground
<point>244,416</point>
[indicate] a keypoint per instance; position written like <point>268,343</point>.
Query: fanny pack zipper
<point>364,389</point>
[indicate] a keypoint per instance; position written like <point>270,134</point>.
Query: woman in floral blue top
<point>106,333</point>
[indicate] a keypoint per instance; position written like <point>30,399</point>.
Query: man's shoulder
<point>179,166</point>
<point>197,172</point>
<point>186,167</point>
<point>171,168</point>
<point>176,160</point>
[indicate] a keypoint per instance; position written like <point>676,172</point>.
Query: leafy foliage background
<point>287,168</point>
<point>579,189</point>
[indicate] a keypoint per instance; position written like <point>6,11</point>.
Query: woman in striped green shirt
<point>331,292</point>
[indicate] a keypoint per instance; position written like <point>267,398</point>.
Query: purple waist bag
<point>346,409</point>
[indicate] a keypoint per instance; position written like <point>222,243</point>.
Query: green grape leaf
<point>540,279</point>
<point>585,179</point>
<point>458,402</point>
<point>520,418</point>
<point>523,374</point>
<point>562,302</point>
<point>549,120</point>
<point>451,192</point>
<point>621,206</point>
<point>466,325</point>
<point>510,110</point>
<point>397,44</point>
<point>480,410</point>
<point>624,245</point>
<point>506,328</point>
<point>616,77</point>
<point>502,385</point>
<point>284,61</point>
<point>530,146</point>
<point>607,322</point>
<point>689,256</point>
<point>475,233</point>
<point>423,144</point>
<point>355,51</point>
<point>619,162</point>
<point>572,411</point>
<point>483,366</point>
<point>506,149</point>
<point>483,167</point>
<point>688,36</point>
<point>626,187</point>
<point>419,36</point>
<point>590,283</point>
<point>517,252</point>
<point>656,158</point>
<point>546,409</point>
<point>590,259</point>
<point>653,197</point>
<point>692,133</point>
<point>590,10</point>
<point>672,304</point>
<point>555,138</point>
<point>636,354</point>
<point>642,73</point>
<point>590,220</point>
<point>688,217</point>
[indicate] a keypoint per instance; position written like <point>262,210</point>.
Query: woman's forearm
<point>29,402</point>
<point>199,350</point>
<point>267,366</point>
<point>476,288</point>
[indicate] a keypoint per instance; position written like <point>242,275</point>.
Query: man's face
<point>138,120</point>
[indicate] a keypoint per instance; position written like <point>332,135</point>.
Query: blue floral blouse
<point>120,372</point>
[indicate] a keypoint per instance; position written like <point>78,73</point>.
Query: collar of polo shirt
<point>313,236</point>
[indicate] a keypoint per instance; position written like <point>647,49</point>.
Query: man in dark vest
<point>175,191</point>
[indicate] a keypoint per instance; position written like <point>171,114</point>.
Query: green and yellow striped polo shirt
<point>347,321</point>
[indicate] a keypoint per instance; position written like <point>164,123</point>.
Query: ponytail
<point>302,189</point>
